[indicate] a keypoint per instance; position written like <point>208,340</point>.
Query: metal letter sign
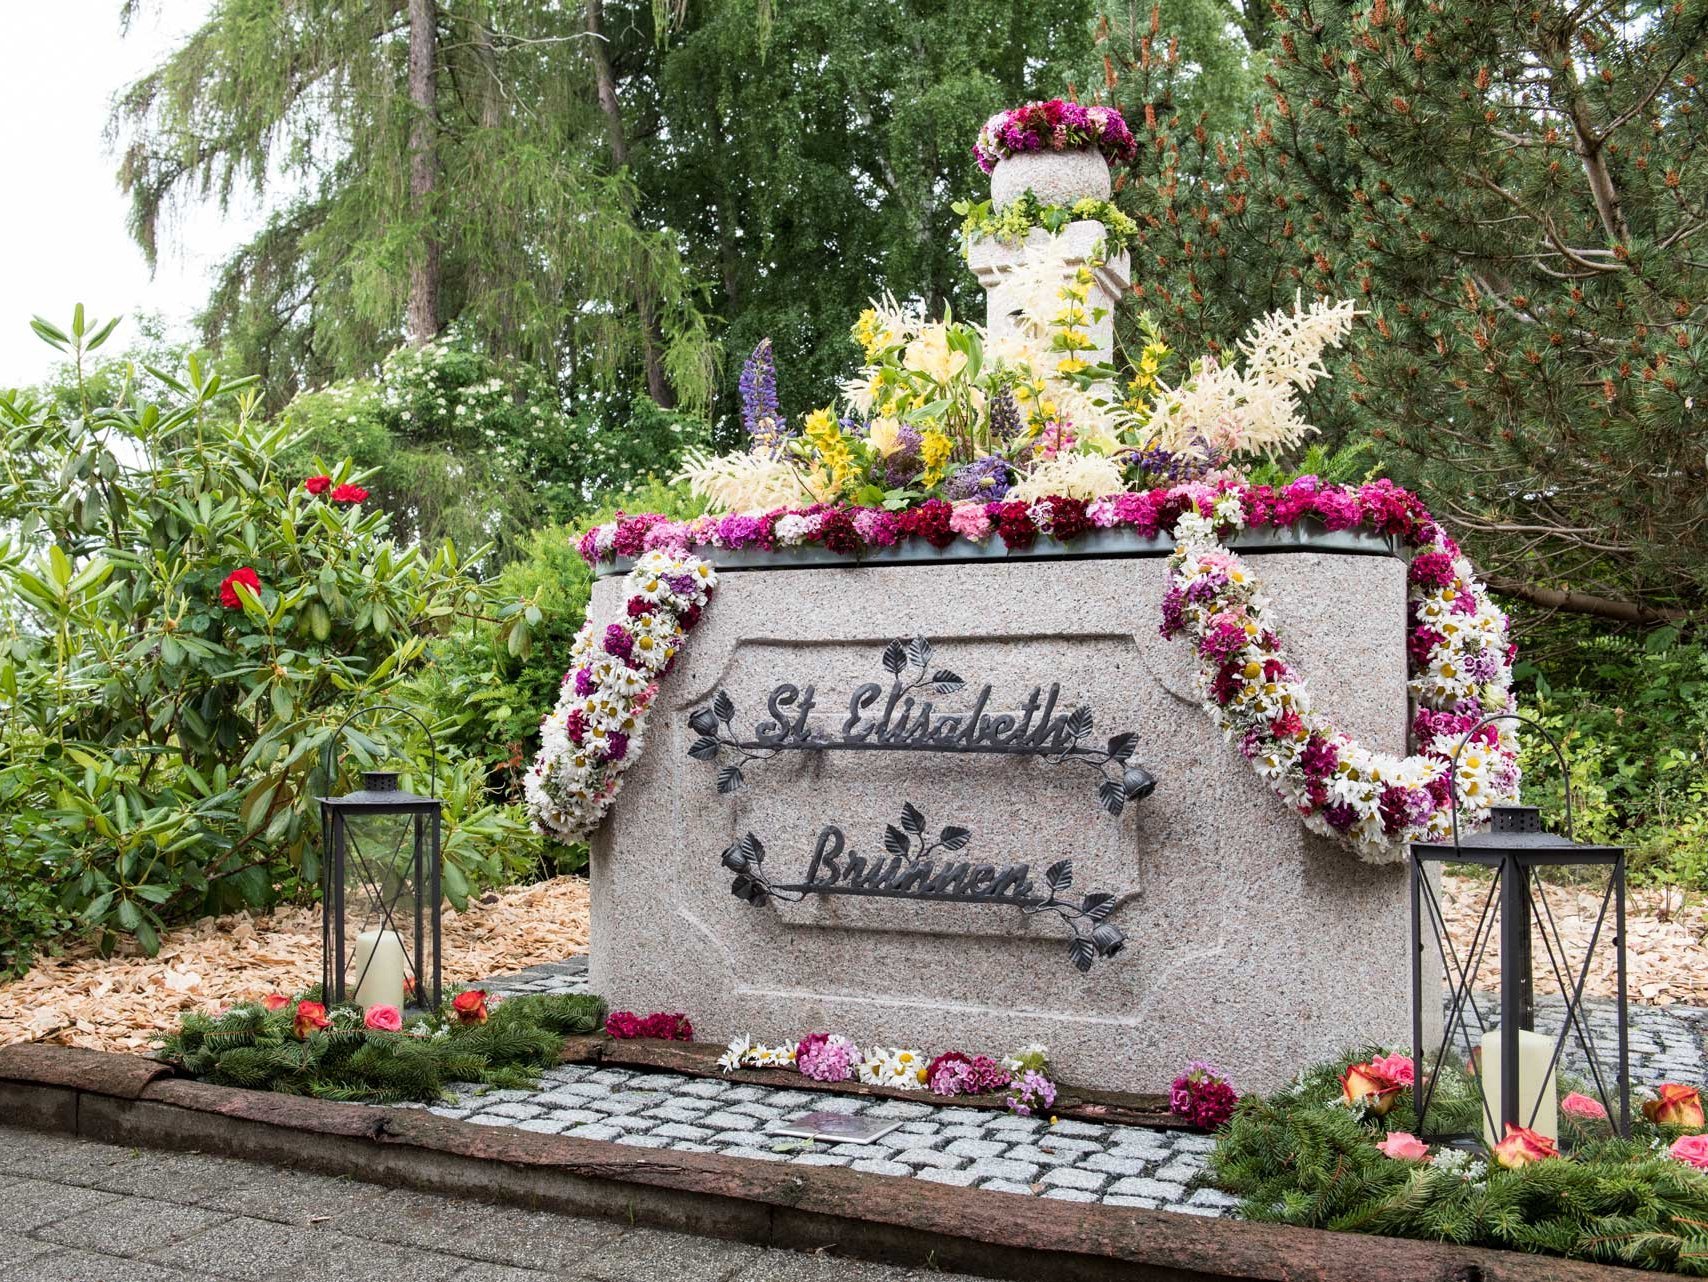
<point>914,866</point>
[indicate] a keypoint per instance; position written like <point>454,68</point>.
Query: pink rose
<point>1580,1105</point>
<point>1691,1150</point>
<point>1396,1068</point>
<point>1676,1105</point>
<point>1522,1146</point>
<point>1366,1082</point>
<point>1404,1147</point>
<point>383,1019</point>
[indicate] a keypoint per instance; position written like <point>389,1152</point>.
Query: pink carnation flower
<point>970,521</point>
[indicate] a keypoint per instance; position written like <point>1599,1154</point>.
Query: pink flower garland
<point>1459,649</point>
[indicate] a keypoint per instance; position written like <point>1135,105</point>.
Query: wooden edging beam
<point>121,1099</point>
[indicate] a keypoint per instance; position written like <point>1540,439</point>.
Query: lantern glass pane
<point>384,856</point>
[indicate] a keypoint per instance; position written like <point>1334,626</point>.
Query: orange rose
<point>311,1017</point>
<point>470,1006</point>
<point>1368,1083</point>
<point>1523,1146</point>
<point>1676,1106</point>
<point>275,1001</point>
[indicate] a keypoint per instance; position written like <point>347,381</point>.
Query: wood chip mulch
<point>1666,949</point>
<point>123,1003</point>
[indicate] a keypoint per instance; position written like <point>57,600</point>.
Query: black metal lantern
<point>1515,849</point>
<point>380,910</point>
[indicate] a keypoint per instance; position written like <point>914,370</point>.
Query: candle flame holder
<point>381,883</point>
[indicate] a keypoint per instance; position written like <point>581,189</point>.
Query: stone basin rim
<point>1306,536</point>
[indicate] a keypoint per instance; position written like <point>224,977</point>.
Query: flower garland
<point>1025,1075</point>
<point>980,220</point>
<point>1054,126</point>
<point>595,733</point>
<point>1377,803</point>
<point>1459,650</point>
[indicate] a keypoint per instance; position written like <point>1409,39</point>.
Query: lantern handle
<point>432,745</point>
<point>1559,755</point>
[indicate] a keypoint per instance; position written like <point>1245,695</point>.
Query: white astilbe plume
<point>1074,476</point>
<point>1287,347</point>
<point>744,482</point>
<point>1255,410</point>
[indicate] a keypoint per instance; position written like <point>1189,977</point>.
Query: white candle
<point>1535,1053</point>
<point>379,969</point>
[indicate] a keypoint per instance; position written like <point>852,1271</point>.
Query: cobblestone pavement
<point>74,1211</point>
<point>1071,1161</point>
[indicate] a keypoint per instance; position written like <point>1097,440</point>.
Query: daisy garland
<point>597,730</point>
<point>1377,803</point>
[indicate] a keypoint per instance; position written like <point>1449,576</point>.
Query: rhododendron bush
<point>184,626</point>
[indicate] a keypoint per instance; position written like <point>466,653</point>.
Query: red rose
<point>470,1006</point>
<point>228,590</point>
<point>311,1017</point>
<point>275,1001</point>
<point>349,494</point>
<point>317,485</point>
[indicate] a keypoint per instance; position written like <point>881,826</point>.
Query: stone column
<point>1056,178</point>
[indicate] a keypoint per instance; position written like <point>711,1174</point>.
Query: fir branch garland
<point>250,1047</point>
<point>1301,1157</point>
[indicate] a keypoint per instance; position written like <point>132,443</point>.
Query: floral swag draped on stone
<point>1459,651</point>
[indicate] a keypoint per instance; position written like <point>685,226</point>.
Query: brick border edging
<point>123,1099</point>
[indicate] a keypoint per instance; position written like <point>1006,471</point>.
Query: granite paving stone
<point>130,1225</point>
<point>1119,1165</point>
<point>66,1265</point>
<point>30,1204</point>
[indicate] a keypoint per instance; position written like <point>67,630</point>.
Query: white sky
<point>62,223</point>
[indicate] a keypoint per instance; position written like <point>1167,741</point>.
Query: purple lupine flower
<point>1006,420</point>
<point>985,479</point>
<point>760,413</point>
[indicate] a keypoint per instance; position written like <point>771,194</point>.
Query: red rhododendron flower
<point>349,494</point>
<point>311,1017</point>
<point>470,1006</point>
<point>228,591</point>
<point>317,485</point>
<point>275,1001</point>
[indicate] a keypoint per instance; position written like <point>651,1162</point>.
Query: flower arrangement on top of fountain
<point>945,409</point>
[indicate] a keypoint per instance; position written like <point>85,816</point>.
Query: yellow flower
<point>870,332</point>
<point>885,436</point>
<point>930,354</point>
<point>934,450</point>
<point>1071,365</point>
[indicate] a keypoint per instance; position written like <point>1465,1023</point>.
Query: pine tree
<point>1516,192</point>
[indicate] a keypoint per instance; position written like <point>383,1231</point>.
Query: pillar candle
<point>379,969</point>
<point>1535,1052</point>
